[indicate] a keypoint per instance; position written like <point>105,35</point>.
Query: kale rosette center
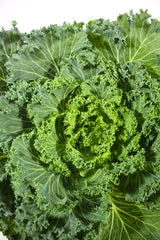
<point>90,126</point>
<point>88,129</point>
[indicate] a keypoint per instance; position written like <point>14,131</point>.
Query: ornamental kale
<point>80,131</point>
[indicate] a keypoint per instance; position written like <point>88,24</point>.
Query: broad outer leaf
<point>130,221</point>
<point>130,38</point>
<point>44,52</point>
<point>48,186</point>
<point>9,43</point>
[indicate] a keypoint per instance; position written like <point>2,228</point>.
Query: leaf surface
<point>44,52</point>
<point>10,122</point>
<point>9,43</point>
<point>130,38</point>
<point>131,221</point>
<point>48,186</point>
<point>53,102</point>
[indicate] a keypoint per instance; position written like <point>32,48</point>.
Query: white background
<point>34,14</point>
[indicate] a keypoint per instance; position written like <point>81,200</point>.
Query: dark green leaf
<point>130,221</point>
<point>10,123</point>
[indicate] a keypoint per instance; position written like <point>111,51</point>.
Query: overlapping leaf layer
<point>80,131</point>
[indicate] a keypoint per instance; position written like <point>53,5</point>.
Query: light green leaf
<point>50,143</point>
<point>75,69</point>
<point>130,38</point>
<point>44,52</point>
<point>9,42</point>
<point>53,102</point>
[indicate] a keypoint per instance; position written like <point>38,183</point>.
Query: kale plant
<point>80,131</point>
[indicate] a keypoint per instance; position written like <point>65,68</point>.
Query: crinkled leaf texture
<point>10,122</point>
<point>130,38</point>
<point>10,41</point>
<point>45,51</point>
<point>79,131</point>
